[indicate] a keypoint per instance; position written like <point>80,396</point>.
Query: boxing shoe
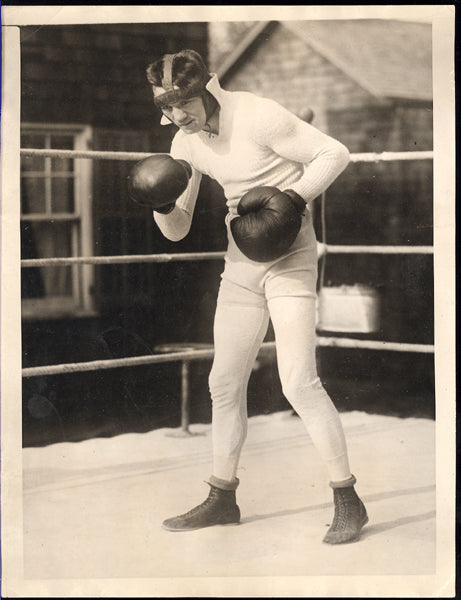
<point>220,508</point>
<point>350,514</point>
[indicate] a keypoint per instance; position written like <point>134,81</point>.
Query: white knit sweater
<point>259,143</point>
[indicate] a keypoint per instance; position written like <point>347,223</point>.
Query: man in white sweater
<point>253,147</point>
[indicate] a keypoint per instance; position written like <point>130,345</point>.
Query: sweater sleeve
<point>176,224</point>
<point>323,157</point>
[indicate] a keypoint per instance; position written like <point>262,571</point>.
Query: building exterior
<point>332,66</point>
<point>369,84</point>
<point>84,87</point>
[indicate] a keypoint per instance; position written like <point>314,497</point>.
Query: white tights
<point>239,329</point>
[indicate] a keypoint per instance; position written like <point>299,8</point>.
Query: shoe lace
<point>198,508</point>
<point>346,509</point>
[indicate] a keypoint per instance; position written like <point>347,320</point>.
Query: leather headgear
<point>181,81</point>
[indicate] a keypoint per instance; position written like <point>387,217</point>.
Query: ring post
<point>183,430</point>
<point>185,407</point>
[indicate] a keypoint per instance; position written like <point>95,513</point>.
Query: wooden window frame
<point>81,303</point>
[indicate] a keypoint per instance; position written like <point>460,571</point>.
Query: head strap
<point>162,99</point>
<point>167,80</point>
<point>170,93</point>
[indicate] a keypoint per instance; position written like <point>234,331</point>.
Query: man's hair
<point>188,72</point>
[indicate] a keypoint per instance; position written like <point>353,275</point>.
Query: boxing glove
<point>269,221</point>
<point>157,181</point>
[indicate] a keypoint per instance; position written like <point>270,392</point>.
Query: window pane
<point>46,282</point>
<point>33,195</point>
<point>45,240</point>
<point>32,163</point>
<point>62,142</point>
<point>62,195</point>
<point>32,140</point>
<point>52,239</point>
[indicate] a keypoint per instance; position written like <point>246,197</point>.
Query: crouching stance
<point>271,166</point>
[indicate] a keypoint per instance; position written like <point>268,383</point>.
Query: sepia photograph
<point>227,301</point>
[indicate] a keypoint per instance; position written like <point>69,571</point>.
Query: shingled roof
<point>388,58</point>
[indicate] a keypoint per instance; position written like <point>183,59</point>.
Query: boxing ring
<point>185,353</point>
<point>93,509</point>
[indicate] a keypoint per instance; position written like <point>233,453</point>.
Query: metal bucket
<point>348,309</point>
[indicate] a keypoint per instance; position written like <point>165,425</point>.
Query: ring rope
<point>336,249</point>
<point>107,155</point>
<point>94,154</point>
<point>122,259</point>
<point>339,342</point>
<point>157,258</point>
<point>192,256</point>
<point>390,156</point>
<point>188,355</point>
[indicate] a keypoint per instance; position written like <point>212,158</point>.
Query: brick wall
<point>223,37</point>
<point>284,68</point>
<point>384,203</point>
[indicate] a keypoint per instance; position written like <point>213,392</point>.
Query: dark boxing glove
<point>268,224</point>
<point>157,181</point>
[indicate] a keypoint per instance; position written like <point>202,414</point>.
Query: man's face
<point>189,115</point>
